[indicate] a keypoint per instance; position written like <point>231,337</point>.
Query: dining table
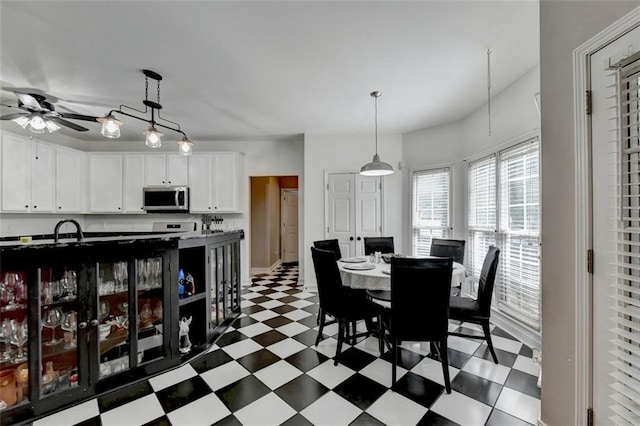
<point>360,273</point>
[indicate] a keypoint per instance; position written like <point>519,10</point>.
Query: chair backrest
<point>330,289</point>
<point>487,279</point>
<point>420,291</point>
<point>381,244</point>
<point>448,248</point>
<point>331,245</point>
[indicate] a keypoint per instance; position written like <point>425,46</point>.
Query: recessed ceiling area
<point>267,70</point>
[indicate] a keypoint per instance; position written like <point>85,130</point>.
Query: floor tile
<point>355,359</point>
<point>160,421</point>
<point>432,370</point>
<point>380,371</point>
<point>457,359</point>
<point>306,359</point>
<point>450,406</point>
<point>182,393</point>
<point>284,308</point>
<point>268,410</point>
<point>258,360</point>
<point>269,338</point>
<point>230,420</point>
<point>300,303</point>
<point>504,358</point>
<point>519,405</point>
<point>301,391</point>
<point>526,365</point>
<point>278,321</point>
<point>124,396</point>
<point>310,322</point>
<point>307,337</point>
<point>137,412</point>
<point>242,393</point>
<point>242,348</point>
<point>264,315</point>
<point>331,409</point>
<point>252,309</point>
<point>270,303</point>
<point>467,346</point>
<point>230,338</point>
<point>406,359</point>
<point>360,390</point>
<point>476,387</point>
<point>72,415</point>
<point>211,360</point>
<point>286,347</point>
<point>419,389</point>
<point>292,329</point>
<point>487,369</point>
<point>277,374</point>
<point>523,382</point>
<point>434,419</point>
<point>243,322</point>
<point>254,329</point>
<point>394,409</point>
<point>297,315</point>
<point>366,419</point>
<point>172,377</point>
<point>508,345</point>
<point>330,375</point>
<point>500,418</point>
<point>206,410</point>
<point>224,375</point>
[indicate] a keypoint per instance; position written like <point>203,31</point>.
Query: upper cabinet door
<point>200,184</point>
<point>68,181</point>
<point>133,182</point>
<point>16,174</point>
<point>105,183</point>
<point>155,170</point>
<point>42,178</point>
<point>225,182</point>
<point>177,170</point>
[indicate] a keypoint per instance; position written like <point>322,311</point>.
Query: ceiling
<point>266,69</point>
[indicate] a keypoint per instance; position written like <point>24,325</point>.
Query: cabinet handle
<point>82,325</point>
<point>119,208</point>
<point>358,238</point>
<point>162,181</point>
<point>350,238</point>
<point>209,207</point>
<point>59,207</point>
<point>94,323</point>
<point>27,206</point>
<point>35,207</point>
<point>169,181</point>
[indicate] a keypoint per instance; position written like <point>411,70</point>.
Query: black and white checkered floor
<point>266,371</point>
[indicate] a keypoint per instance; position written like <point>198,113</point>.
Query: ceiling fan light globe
<point>51,126</point>
<point>37,124</point>
<point>21,121</point>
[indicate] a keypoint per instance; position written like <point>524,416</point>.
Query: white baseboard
<point>256,271</point>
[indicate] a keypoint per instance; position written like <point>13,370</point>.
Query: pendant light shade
<point>376,167</point>
<point>110,126</point>
<point>153,139</point>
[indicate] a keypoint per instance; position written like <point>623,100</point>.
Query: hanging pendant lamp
<point>376,167</point>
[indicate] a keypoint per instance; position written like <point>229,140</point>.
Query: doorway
<point>270,246</point>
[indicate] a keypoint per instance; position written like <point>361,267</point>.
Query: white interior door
<point>353,210</point>
<point>289,218</point>
<point>605,160</point>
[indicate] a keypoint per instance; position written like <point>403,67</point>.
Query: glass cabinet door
<point>59,320</point>
<point>114,343</point>
<point>217,285</point>
<point>150,305</point>
<point>13,338</point>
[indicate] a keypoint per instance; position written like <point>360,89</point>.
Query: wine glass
<point>124,275</point>
<point>6,334</point>
<point>117,275</point>
<point>52,318</point>
<point>140,272</point>
<point>18,338</point>
<point>157,272</point>
<point>69,323</point>
<point>105,309</point>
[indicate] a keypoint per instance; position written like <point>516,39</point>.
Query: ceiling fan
<point>39,115</point>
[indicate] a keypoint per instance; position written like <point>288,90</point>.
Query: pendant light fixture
<point>376,167</point>
<point>153,137</point>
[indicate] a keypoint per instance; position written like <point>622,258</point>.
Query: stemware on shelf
<point>52,319</point>
<point>18,338</point>
<point>69,324</point>
<point>157,272</point>
<point>105,309</point>
<point>6,335</point>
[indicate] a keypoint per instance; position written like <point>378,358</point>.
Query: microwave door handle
<point>177,198</point>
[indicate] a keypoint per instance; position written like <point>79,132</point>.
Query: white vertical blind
<point>626,342</point>
<point>431,207</point>
<point>482,210</point>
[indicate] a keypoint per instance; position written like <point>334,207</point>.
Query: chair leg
<point>321,319</point>
<point>487,336</point>
<point>320,315</point>
<point>341,332</point>
<point>394,361</point>
<point>380,335</point>
<point>444,359</point>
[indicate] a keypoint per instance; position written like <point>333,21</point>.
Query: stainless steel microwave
<point>166,199</point>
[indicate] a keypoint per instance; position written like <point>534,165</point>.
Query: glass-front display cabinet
<point>225,281</point>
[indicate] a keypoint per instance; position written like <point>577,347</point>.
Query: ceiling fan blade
<point>12,116</point>
<point>68,124</point>
<point>78,117</point>
<point>10,106</point>
<point>29,101</point>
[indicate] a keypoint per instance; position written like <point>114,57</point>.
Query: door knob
<point>350,238</point>
<point>82,325</point>
<point>94,323</point>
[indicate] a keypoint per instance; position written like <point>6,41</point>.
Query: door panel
<point>290,225</point>
<point>604,177</point>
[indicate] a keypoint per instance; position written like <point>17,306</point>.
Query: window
<point>504,210</point>
<point>431,208</point>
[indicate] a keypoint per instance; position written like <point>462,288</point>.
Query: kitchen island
<point>79,318</point>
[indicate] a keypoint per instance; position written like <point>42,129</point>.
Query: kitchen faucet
<point>56,231</point>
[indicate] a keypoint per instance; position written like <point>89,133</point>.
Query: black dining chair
<point>448,248</point>
<point>381,244</point>
<point>331,245</point>
<point>478,311</point>
<point>336,299</point>
<point>420,307</point>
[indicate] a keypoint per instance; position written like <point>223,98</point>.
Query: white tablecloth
<point>375,279</point>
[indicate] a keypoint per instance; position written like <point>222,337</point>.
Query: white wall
<point>323,153</point>
<point>564,25</point>
<point>513,113</point>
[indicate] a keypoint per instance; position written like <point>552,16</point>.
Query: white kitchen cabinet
<point>200,184</point>
<point>166,170</point>
<point>28,175</point>
<point>132,183</point>
<point>42,178</point>
<point>226,168</point>
<point>69,180</point>
<point>105,183</point>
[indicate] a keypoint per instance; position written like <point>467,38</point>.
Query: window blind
<point>482,210</point>
<point>517,288</point>
<point>626,341</point>
<point>431,207</point>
